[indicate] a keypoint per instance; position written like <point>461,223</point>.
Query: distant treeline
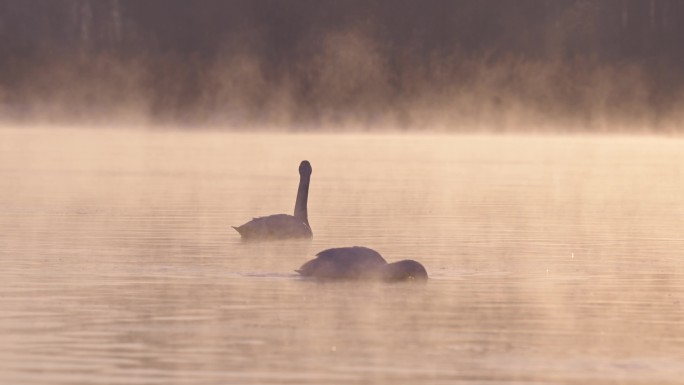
<point>456,64</point>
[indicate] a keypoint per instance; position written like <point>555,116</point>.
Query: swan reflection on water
<point>360,263</point>
<point>283,226</point>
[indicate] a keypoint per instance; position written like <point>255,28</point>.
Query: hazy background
<point>612,65</point>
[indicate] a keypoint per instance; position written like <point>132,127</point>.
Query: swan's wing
<point>309,268</point>
<point>355,252</point>
<point>344,262</point>
<point>279,226</point>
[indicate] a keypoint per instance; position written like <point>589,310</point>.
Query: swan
<point>283,226</point>
<point>360,263</point>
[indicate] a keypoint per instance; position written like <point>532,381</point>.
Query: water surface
<point>553,259</point>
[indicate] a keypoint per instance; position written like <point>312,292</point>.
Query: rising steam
<point>355,74</point>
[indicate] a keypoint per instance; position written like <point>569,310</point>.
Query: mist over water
<point>551,259</point>
<point>527,153</point>
<point>451,66</point>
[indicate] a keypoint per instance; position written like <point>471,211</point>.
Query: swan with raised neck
<point>283,226</point>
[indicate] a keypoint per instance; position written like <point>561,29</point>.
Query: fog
<point>552,258</point>
<point>535,65</point>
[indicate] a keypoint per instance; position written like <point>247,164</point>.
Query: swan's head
<point>406,270</point>
<point>305,168</point>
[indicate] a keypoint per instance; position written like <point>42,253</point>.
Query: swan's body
<point>360,263</point>
<point>278,226</point>
<point>283,226</point>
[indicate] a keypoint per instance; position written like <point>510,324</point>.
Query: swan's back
<point>344,263</point>
<point>279,226</point>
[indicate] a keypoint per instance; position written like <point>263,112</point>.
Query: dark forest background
<point>609,65</point>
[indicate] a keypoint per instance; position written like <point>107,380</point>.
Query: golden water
<point>552,259</point>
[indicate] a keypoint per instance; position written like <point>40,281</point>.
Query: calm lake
<point>553,260</point>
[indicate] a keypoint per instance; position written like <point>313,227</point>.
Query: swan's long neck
<point>300,210</point>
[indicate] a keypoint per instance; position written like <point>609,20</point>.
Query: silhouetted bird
<point>360,263</point>
<point>283,226</point>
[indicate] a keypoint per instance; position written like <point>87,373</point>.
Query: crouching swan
<point>360,263</point>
